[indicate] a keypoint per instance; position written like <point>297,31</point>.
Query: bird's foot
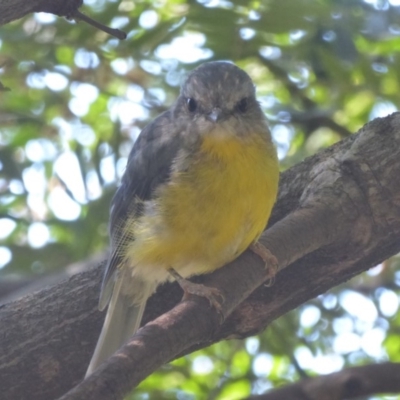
<point>213,295</point>
<point>271,262</point>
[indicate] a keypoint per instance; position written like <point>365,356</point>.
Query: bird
<point>198,190</point>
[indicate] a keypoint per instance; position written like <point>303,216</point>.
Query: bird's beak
<point>214,115</point>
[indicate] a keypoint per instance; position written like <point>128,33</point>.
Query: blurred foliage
<point>73,100</point>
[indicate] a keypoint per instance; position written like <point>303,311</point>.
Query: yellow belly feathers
<point>209,214</point>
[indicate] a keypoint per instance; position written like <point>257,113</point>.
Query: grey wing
<point>149,165</point>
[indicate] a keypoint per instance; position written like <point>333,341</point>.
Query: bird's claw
<point>271,262</point>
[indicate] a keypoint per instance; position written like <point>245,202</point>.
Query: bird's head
<point>218,97</point>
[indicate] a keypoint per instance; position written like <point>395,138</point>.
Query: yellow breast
<point>209,214</point>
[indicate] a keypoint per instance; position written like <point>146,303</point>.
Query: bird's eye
<point>243,105</point>
<point>191,104</point>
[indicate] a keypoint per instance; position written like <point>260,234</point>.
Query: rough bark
<point>338,214</point>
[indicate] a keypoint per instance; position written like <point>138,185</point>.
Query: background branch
<point>10,10</point>
<point>350,383</point>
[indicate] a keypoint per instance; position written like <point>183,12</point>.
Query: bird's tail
<point>122,320</point>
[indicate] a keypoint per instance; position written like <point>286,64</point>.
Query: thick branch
<point>331,204</point>
<point>349,384</point>
<point>338,215</point>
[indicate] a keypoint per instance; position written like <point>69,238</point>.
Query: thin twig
<point>111,31</point>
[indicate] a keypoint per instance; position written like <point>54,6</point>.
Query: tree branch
<point>332,198</point>
<point>347,384</point>
<point>77,15</point>
<point>337,215</point>
<point>11,10</point>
